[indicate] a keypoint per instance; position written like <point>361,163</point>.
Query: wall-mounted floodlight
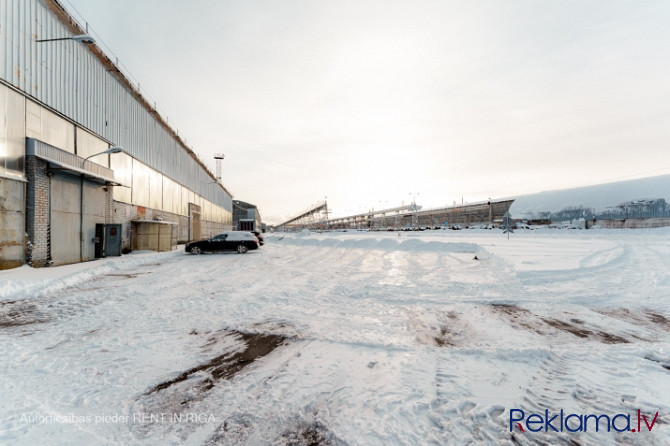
<point>115,149</point>
<point>81,38</point>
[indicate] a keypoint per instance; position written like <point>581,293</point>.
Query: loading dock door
<point>246,225</point>
<point>194,221</point>
<point>65,217</point>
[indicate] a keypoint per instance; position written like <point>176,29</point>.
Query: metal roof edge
<point>57,8</point>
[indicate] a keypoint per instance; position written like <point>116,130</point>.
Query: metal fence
<point>655,208</point>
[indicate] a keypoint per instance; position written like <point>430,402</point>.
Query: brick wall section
<point>37,212</point>
<point>109,206</point>
<point>123,213</point>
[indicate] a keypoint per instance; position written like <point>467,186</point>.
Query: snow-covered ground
<point>345,338</point>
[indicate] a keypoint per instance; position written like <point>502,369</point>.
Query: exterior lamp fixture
<point>81,38</point>
<point>115,149</point>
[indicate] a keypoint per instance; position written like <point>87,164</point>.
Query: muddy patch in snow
<point>308,434</point>
<point>577,328</point>
<point>649,319</point>
<point>518,317</point>
<point>522,318</point>
<point>226,365</point>
<point>658,319</point>
<point>18,313</point>
<point>254,429</point>
<point>450,332</point>
<point>444,338</point>
<point>230,352</point>
<point>443,329</point>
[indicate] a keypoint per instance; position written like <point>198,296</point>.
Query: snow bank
<point>25,281</point>
<point>384,244</point>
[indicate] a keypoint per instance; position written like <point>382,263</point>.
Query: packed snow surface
<point>349,338</point>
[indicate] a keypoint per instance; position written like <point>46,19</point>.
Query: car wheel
<point>242,249</point>
<point>195,250</point>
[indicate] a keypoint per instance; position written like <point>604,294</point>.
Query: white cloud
<point>365,101</point>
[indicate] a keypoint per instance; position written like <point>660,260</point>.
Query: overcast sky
<point>372,102</point>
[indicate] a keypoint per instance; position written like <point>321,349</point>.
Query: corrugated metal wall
<point>68,77</point>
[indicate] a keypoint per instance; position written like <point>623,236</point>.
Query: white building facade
<point>61,103</point>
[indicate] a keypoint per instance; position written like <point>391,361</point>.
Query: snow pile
<point>26,281</point>
<point>388,243</point>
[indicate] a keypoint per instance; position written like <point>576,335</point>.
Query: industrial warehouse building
<point>61,103</point>
<point>246,216</point>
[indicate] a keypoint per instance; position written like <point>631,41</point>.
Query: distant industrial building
<point>312,217</point>
<point>246,217</point>
<point>83,154</point>
<point>410,216</point>
<point>489,212</point>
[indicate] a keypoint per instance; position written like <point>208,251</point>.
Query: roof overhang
<point>71,163</point>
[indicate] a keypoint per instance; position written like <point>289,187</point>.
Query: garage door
<point>65,217</point>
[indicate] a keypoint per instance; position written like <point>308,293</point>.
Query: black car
<point>226,241</point>
<point>259,236</point>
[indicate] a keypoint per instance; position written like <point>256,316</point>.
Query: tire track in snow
<point>572,380</point>
<point>628,271</point>
<point>356,373</point>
